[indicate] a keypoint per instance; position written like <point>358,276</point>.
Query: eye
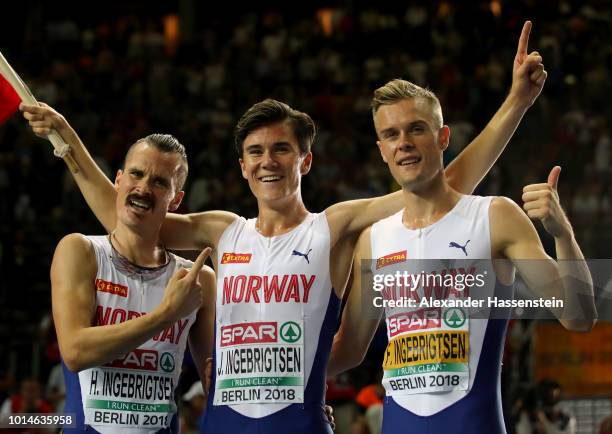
<point>135,173</point>
<point>161,183</point>
<point>389,135</point>
<point>417,128</point>
<point>254,152</point>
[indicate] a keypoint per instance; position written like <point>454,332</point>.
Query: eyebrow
<point>410,125</point>
<point>258,145</point>
<point>387,131</point>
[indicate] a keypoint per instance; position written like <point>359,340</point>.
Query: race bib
<point>134,392</point>
<point>260,362</point>
<point>432,360</point>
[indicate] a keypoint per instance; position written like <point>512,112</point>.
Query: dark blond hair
<point>396,90</point>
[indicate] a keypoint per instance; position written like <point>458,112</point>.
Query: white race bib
<point>260,362</point>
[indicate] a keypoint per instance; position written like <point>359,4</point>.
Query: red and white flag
<point>9,100</point>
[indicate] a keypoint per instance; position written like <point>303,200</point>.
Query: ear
<point>118,178</point>
<point>176,202</point>
<point>243,168</point>
<point>444,137</point>
<point>379,144</point>
<point>306,164</point>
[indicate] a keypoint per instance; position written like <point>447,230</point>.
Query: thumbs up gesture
<point>528,73</point>
<point>184,293</point>
<point>541,201</point>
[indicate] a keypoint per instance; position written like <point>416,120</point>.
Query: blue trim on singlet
<point>480,411</point>
<point>73,404</point>
<point>306,418</point>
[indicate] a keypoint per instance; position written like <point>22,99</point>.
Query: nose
<point>404,142</point>
<point>143,186</point>
<point>268,160</point>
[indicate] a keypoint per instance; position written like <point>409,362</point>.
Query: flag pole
<point>61,149</point>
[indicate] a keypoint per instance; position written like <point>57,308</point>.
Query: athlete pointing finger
<point>124,307</point>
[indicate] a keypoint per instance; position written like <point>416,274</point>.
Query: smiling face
<point>272,162</point>
<point>147,186</point>
<point>410,141</point>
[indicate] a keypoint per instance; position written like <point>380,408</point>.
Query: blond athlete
<point>442,367</point>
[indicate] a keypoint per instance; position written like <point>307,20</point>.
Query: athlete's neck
<point>144,250</point>
<point>428,203</point>
<point>277,218</point>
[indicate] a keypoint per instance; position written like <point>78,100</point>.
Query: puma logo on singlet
<point>459,246</point>
<point>305,255</point>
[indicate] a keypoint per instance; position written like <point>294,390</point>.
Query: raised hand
<point>541,201</point>
<point>528,73</point>
<point>43,119</point>
<point>184,293</point>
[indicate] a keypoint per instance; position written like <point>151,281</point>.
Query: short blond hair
<point>398,89</point>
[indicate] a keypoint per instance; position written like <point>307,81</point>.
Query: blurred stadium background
<point>121,70</point>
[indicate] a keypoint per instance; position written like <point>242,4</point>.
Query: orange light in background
<point>171,32</point>
<point>443,9</point>
<point>325,17</point>
<point>496,8</point>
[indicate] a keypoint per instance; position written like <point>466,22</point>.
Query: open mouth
<point>409,161</point>
<point>140,203</point>
<point>270,178</point>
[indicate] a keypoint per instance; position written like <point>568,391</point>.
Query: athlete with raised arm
<point>441,366</point>
<point>124,308</point>
<point>281,276</point>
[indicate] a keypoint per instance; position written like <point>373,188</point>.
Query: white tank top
<point>441,347</point>
<point>133,394</point>
<point>272,297</point>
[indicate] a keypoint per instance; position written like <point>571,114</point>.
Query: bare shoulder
<point>74,258</point>
<point>512,233</point>
<point>505,215</point>
<point>76,245</point>
<point>207,273</point>
<point>501,205</point>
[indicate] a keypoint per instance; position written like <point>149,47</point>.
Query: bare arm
<point>568,278</point>
<point>191,231</point>
<point>360,318</point>
<point>474,162</point>
<point>83,345</point>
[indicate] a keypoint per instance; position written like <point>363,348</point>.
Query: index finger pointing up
<point>524,39</point>
<point>199,262</point>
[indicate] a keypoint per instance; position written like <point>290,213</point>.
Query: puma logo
<point>305,255</point>
<point>459,246</point>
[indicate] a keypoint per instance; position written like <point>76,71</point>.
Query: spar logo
<point>111,288</point>
<point>392,258</point>
<point>142,360</point>
<point>421,319</point>
<point>454,317</point>
<point>290,332</point>
<point>166,362</point>
<point>236,258</point>
<point>249,333</point>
